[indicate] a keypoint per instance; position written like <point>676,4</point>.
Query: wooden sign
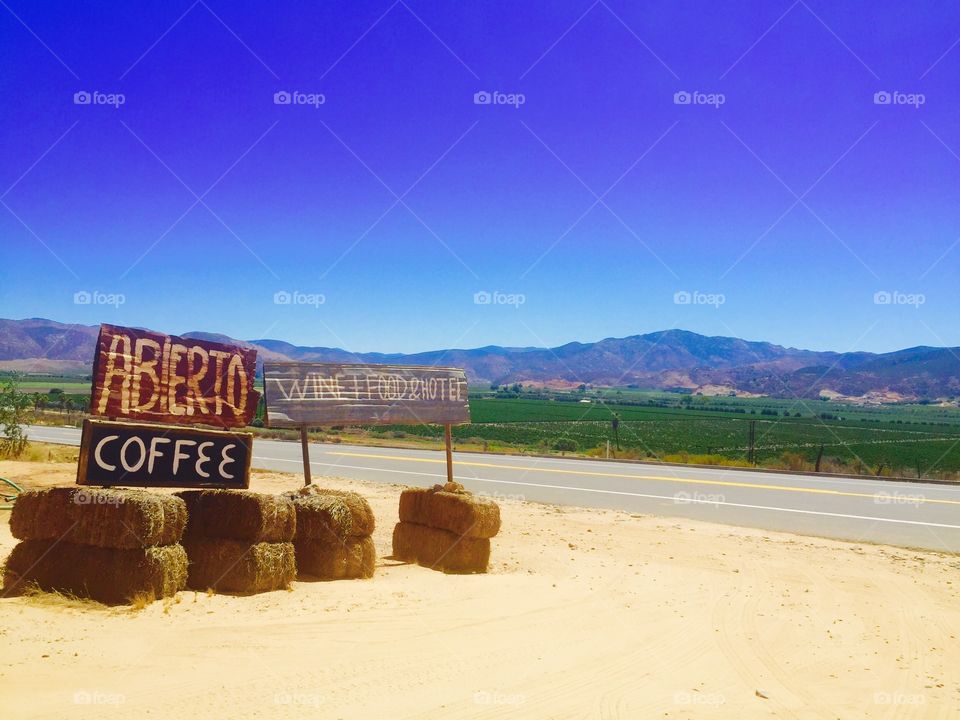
<point>300,394</point>
<point>142,375</point>
<point>115,453</point>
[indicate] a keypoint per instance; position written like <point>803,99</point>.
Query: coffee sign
<point>142,375</point>
<point>302,394</point>
<point>131,454</point>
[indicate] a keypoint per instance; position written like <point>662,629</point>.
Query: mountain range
<point>668,360</point>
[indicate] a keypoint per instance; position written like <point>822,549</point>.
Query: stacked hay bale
<point>333,539</point>
<point>446,528</point>
<point>239,541</point>
<point>104,544</point>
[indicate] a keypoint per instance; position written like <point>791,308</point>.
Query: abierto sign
<point>115,453</point>
<point>311,394</point>
<point>142,375</point>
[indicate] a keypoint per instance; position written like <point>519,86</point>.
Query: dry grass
<point>458,511</point>
<point>336,560</point>
<point>105,518</point>
<point>47,452</point>
<point>238,566</point>
<point>109,575</point>
<point>239,515</point>
<point>439,549</point>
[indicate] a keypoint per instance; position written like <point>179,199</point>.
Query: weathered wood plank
<point>143,375</point>
<point>299,393</point>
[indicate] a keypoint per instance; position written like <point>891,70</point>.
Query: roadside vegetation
<point>903,440</point>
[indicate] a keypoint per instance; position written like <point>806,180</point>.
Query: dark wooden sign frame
<point>309,394</point>
<point>170,456</point>
<point>147,376</point>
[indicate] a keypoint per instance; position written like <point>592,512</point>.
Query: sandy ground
<point>585,614</point>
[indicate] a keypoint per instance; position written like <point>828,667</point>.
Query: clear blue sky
<point>304,197</point>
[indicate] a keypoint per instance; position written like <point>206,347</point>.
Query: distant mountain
<point>670,359</point>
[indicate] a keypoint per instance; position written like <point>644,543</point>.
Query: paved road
<point>896,513</point>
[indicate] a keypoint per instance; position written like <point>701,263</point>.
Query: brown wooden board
<point>143,375</point>
<point>131,454</point>
<point>302,393</point>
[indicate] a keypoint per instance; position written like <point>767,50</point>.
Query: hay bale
<point>102,517</point>
<point>336,560</point>
<point>440,549</point>
<point>109,575</point>
<point>239,515</point>
<point>238,566</point>
<point>332,517</point>
<point>458,512</point>
<point>362,521</point>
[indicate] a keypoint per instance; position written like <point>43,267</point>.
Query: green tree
<point>13,406</point>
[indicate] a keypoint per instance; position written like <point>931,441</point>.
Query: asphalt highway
<point>920,515</point>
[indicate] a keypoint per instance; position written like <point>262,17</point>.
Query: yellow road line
<point>725,483</point>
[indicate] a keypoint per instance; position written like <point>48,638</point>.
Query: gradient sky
<point>796,200</point>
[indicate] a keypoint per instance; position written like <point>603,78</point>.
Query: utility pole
<point>752,452</point>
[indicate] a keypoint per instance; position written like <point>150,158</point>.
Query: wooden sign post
<point>301,395</point>
<point>448,442</point>
<point>305,451</point>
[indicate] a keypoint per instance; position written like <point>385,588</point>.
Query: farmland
<point>905,440</point>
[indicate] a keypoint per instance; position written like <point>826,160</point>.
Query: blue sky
<point>587,199</point>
